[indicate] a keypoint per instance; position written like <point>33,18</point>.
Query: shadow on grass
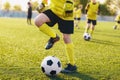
<point>55,78</point>
<point>81,76</point>
<point>110,35</point>
<point>105,42</point>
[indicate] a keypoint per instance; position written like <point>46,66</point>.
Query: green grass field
<point>22,50</point>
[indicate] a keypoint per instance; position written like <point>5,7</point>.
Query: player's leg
<point>67,28</point>
<point>119,26</point>
<point>27,20</point>
<point>30,21</point>
<point>69,47</point>
<point>39,21</point>
<point>115,26</point>
<point>92,29</point>
<point>88,26</point>
<point>78,23</point>
<point>94,22</point>
<point>75,22</point>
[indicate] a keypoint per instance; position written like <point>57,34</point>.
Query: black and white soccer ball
<point>51,65</point>
<point>86,36</point>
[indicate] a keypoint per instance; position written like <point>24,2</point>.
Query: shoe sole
<point>67,71</point>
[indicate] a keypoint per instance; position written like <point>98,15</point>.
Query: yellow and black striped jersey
<point>92,10</point>
<point>77,13</point>
<point>57,6</point>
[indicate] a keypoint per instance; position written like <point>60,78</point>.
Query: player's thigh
<point>40,19</point>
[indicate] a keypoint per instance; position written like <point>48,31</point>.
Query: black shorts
<point>94,22</point>
<point>65,26</point>
<point>77,18</point>
<point>29,16</point>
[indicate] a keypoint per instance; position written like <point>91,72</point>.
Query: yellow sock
<point>48,31</point>
<point>70,53</point>
<point>86,30</point>
<point>117,24</point>
<point>91,32</point>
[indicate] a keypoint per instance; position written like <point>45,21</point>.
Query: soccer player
<point>77,15</point>
<point>117,20</point>
<point>92,10</point>
<point>29,14</point>
<point>60,12</point>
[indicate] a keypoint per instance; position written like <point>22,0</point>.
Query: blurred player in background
<point>117,20</point>
<point>77,15</point>
<point>92,10</point>
<point>60,12</point>
<point>29,13</point>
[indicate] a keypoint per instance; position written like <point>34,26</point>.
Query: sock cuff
<point>70,45</point>
<point>48,31</point>
<point>42,27</point>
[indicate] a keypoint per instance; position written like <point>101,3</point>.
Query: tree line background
<point>110,7</point>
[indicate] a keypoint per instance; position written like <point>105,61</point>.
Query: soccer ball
<point>51,65</point>
<point>87,36</point>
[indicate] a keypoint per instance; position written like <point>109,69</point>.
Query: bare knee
<point>67,38</point>
<point>37,22</point>
<point>88,26</point>
<point>93,27</point>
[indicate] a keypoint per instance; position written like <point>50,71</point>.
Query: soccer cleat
<point>69,69</point>
<point>51,42</point>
